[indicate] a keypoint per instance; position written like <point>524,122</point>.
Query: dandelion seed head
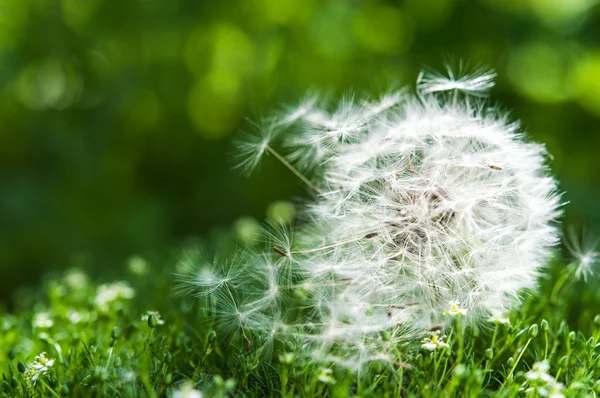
<point>428,207</point>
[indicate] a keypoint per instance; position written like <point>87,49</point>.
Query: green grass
<point>107,349</point>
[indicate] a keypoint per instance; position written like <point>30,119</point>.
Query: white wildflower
<point>498,317</point>
<point>38,368</point>
<point>539,380</point>
<point>187,390</point>
<point>455,310</point>
<point>77,316</point>
<point>42,320</point>
<point>433,342</point>
<point>109,293</point>
<point>326,376</point>
<point>148,314</point>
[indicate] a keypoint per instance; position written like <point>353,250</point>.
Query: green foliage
<point>115,118</point>
<point>108,340</point>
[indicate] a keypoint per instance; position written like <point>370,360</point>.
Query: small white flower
<point>76,316</point>
<point>159,320</point>
<point>38,368</point>
<point>129,376</point>
<point>540,380</point>
<point>433,342</point>
<point>326,376</point>
<point>42,320</point>
<point>109,293</point>
<point>187,390</point>
<point>498,317</point>
<point>455,310</point>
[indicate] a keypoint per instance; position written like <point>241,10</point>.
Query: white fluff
<point>426,206</point>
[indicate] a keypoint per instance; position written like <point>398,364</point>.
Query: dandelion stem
<point>336,244</point>
<point>292,169</point>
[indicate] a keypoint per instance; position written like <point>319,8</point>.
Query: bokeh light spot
<point>328,30</point>
<point>53,83</point>
<point>77,14</point>
<point>537,71</point>
<point>428,15</point>
<point>213,105</point>
<point>13,17</point>
<point>561,13</point>
<point>143,112</point>
<point>382,29</point>
<point>281,211</point>
<point>247,230</point>
<point>586,82</point>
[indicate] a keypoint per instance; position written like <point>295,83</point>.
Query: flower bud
<point>211,336</point>
<point>114,334</point>
<point>489,353</point>
<point>152,321</point>
<point>544,325</point>
<point>533,330</point>
<point>21,367</point>
<point>591,342</point>
<point>564,362</point>
<point>511,362</point>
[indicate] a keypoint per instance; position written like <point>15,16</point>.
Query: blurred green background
<point>116,117</point>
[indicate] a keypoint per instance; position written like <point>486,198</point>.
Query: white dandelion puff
<point>427,207</point>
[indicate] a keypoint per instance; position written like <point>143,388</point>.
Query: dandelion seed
<point>584,249</point>
<point>476,83</point>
